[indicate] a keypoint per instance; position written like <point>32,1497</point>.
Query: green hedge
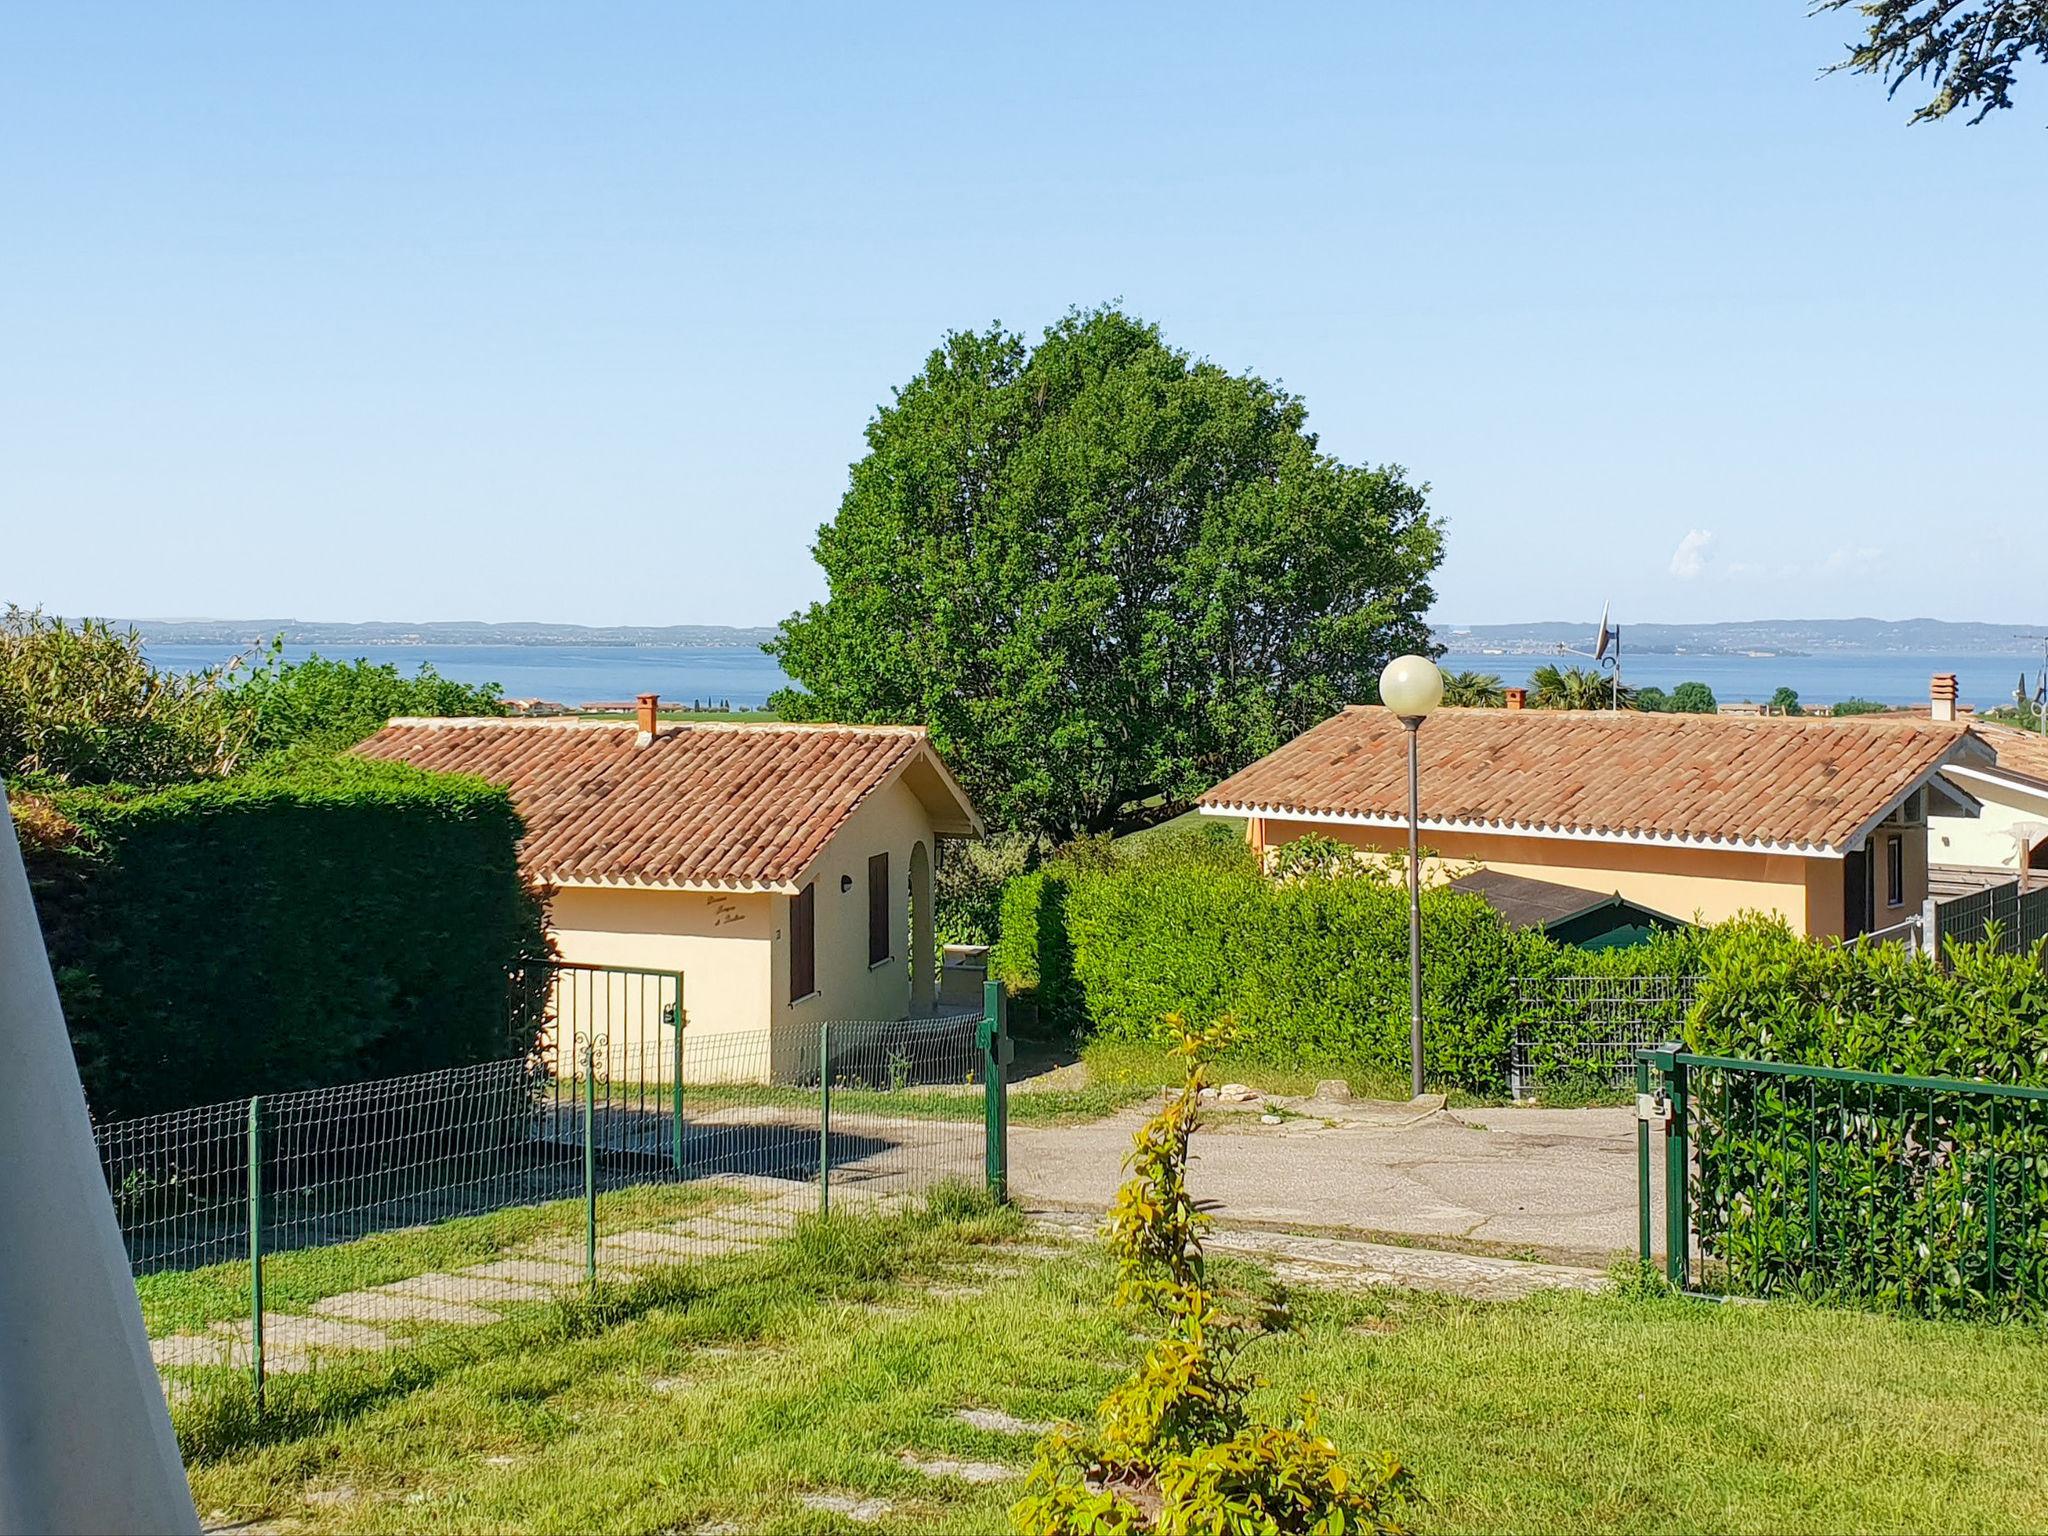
<point>1872,1193</point>
<point>325,921</point>
<point>1313,968</point>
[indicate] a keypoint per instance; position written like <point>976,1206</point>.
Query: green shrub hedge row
<point>1864,1192</point>
<point>321,922</point>
<point>1314,968</point>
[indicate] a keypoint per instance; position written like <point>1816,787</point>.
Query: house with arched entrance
<point>784,870</point>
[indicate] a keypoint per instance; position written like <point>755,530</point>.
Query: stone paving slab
<point>1340,1263</point>
<point>651,1246</point>
<point>529,1271</point>
<point>965,1471</point>
<point>472,1288</point>
<point>401,1307</point>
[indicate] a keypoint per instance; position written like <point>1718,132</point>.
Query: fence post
<point>676,1109</point>
<point>256,1247</point>
<point>590,1161</point>
<point>1677,1167</point>
<point>1642,1155</point>
<point>995,1060</point>
<point>824,1119</point>
<point>1930,928</point>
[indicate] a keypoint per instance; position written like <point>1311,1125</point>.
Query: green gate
<point>1925,1194</point>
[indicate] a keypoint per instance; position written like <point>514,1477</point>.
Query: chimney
<point>646,711</point>
<point>1943,695</point>
<point>1515,698</point>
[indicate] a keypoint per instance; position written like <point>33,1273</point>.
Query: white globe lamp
<point>1411,687</point>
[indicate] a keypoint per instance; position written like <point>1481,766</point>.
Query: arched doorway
<point>923,933</point>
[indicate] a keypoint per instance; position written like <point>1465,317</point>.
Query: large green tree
<point>1970,50</point>
<point>1104,573</point>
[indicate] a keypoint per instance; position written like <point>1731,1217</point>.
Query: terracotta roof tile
<point>1718,779</point>
<point>701,805</point>
<point>2021,752</point>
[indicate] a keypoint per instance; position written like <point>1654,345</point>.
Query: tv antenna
<point>2039,699</point>
<point>1607,652</point>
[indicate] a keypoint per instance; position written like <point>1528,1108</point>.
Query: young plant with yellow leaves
<point>1174,1450</point>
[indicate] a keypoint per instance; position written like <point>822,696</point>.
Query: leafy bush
<point>84,706</point>
<point>1313,966</point>
<point>302,926</point>
<point>1858,707</point>
<point>969,881</point>
<point>1871,1192</point>
<point>331,705</point>
<point>1174,1448</point>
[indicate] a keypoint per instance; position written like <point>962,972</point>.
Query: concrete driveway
<point>1558,1184</point>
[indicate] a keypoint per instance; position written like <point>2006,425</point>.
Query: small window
<point>1914,811</point>
<point>803,943</point>
<point>878,909</point>
<point>1895,871</point>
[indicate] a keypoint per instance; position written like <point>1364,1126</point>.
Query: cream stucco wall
<point>1987,841</point>
<point>1695,884</point>
<point>722,942</point>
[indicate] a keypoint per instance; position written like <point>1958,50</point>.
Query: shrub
<point>332,705</point>
<point>1174,1448</point>
<point>320,923</point>
<point>969,881</point>
<point>1867,1191</point>
<point>1313,966</point>
<point>83,706</point>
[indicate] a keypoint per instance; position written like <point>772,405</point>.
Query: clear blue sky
<point>576,312</point>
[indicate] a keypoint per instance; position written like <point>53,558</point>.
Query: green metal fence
<point>269,1235</point>
<point>2004,916</point>
<point>1929,1195</point>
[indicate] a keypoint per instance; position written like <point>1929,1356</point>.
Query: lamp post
<point>1411,687</point>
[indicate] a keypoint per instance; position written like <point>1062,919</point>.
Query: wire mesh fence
<point>1924,1195</point>
<point>1578,1036</point>
<point>274,1234</point>
<point>2008,918</point>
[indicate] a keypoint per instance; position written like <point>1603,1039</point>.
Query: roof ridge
<point>664,727</point>
<point>1555,717</point>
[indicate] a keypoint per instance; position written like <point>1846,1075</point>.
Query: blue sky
<point>577,312</point>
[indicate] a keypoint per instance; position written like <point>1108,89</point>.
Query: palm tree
<point>1474,690</point>
<point>1555,687</point>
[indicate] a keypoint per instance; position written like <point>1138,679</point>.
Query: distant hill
<point>256,632</point>
<point>1777,637</point>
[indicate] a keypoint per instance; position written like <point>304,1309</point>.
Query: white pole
<point>85,1438</point>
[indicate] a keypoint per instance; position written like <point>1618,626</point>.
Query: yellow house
<point>784,870</point>
<point>1694,816</point>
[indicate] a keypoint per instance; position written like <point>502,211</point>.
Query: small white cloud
<point>1852,560</point>
<point>1692,554</point>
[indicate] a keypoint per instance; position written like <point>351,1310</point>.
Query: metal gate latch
<point>1653,1109</point>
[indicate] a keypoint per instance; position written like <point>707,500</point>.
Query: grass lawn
<point>727,1396</point>
<point>1029,1105</point>
<point>176,1301</point>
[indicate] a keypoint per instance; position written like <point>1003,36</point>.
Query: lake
<point>569,674</point>
<point>581,674</point>
<point>1983,679</point>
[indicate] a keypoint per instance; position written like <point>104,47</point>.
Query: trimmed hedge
<point>322,922</point>
<point>1313,968</point>
<point>1872,1193</point>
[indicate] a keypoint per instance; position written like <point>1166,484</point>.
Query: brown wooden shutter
<point>803,943</point>
<point>878,909</point>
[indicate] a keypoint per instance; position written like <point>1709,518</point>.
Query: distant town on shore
<point>1758,637</point>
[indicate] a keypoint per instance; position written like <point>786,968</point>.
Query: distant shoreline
<point>1757,640</point>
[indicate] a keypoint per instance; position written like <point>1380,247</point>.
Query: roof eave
<point>1817,850</point>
